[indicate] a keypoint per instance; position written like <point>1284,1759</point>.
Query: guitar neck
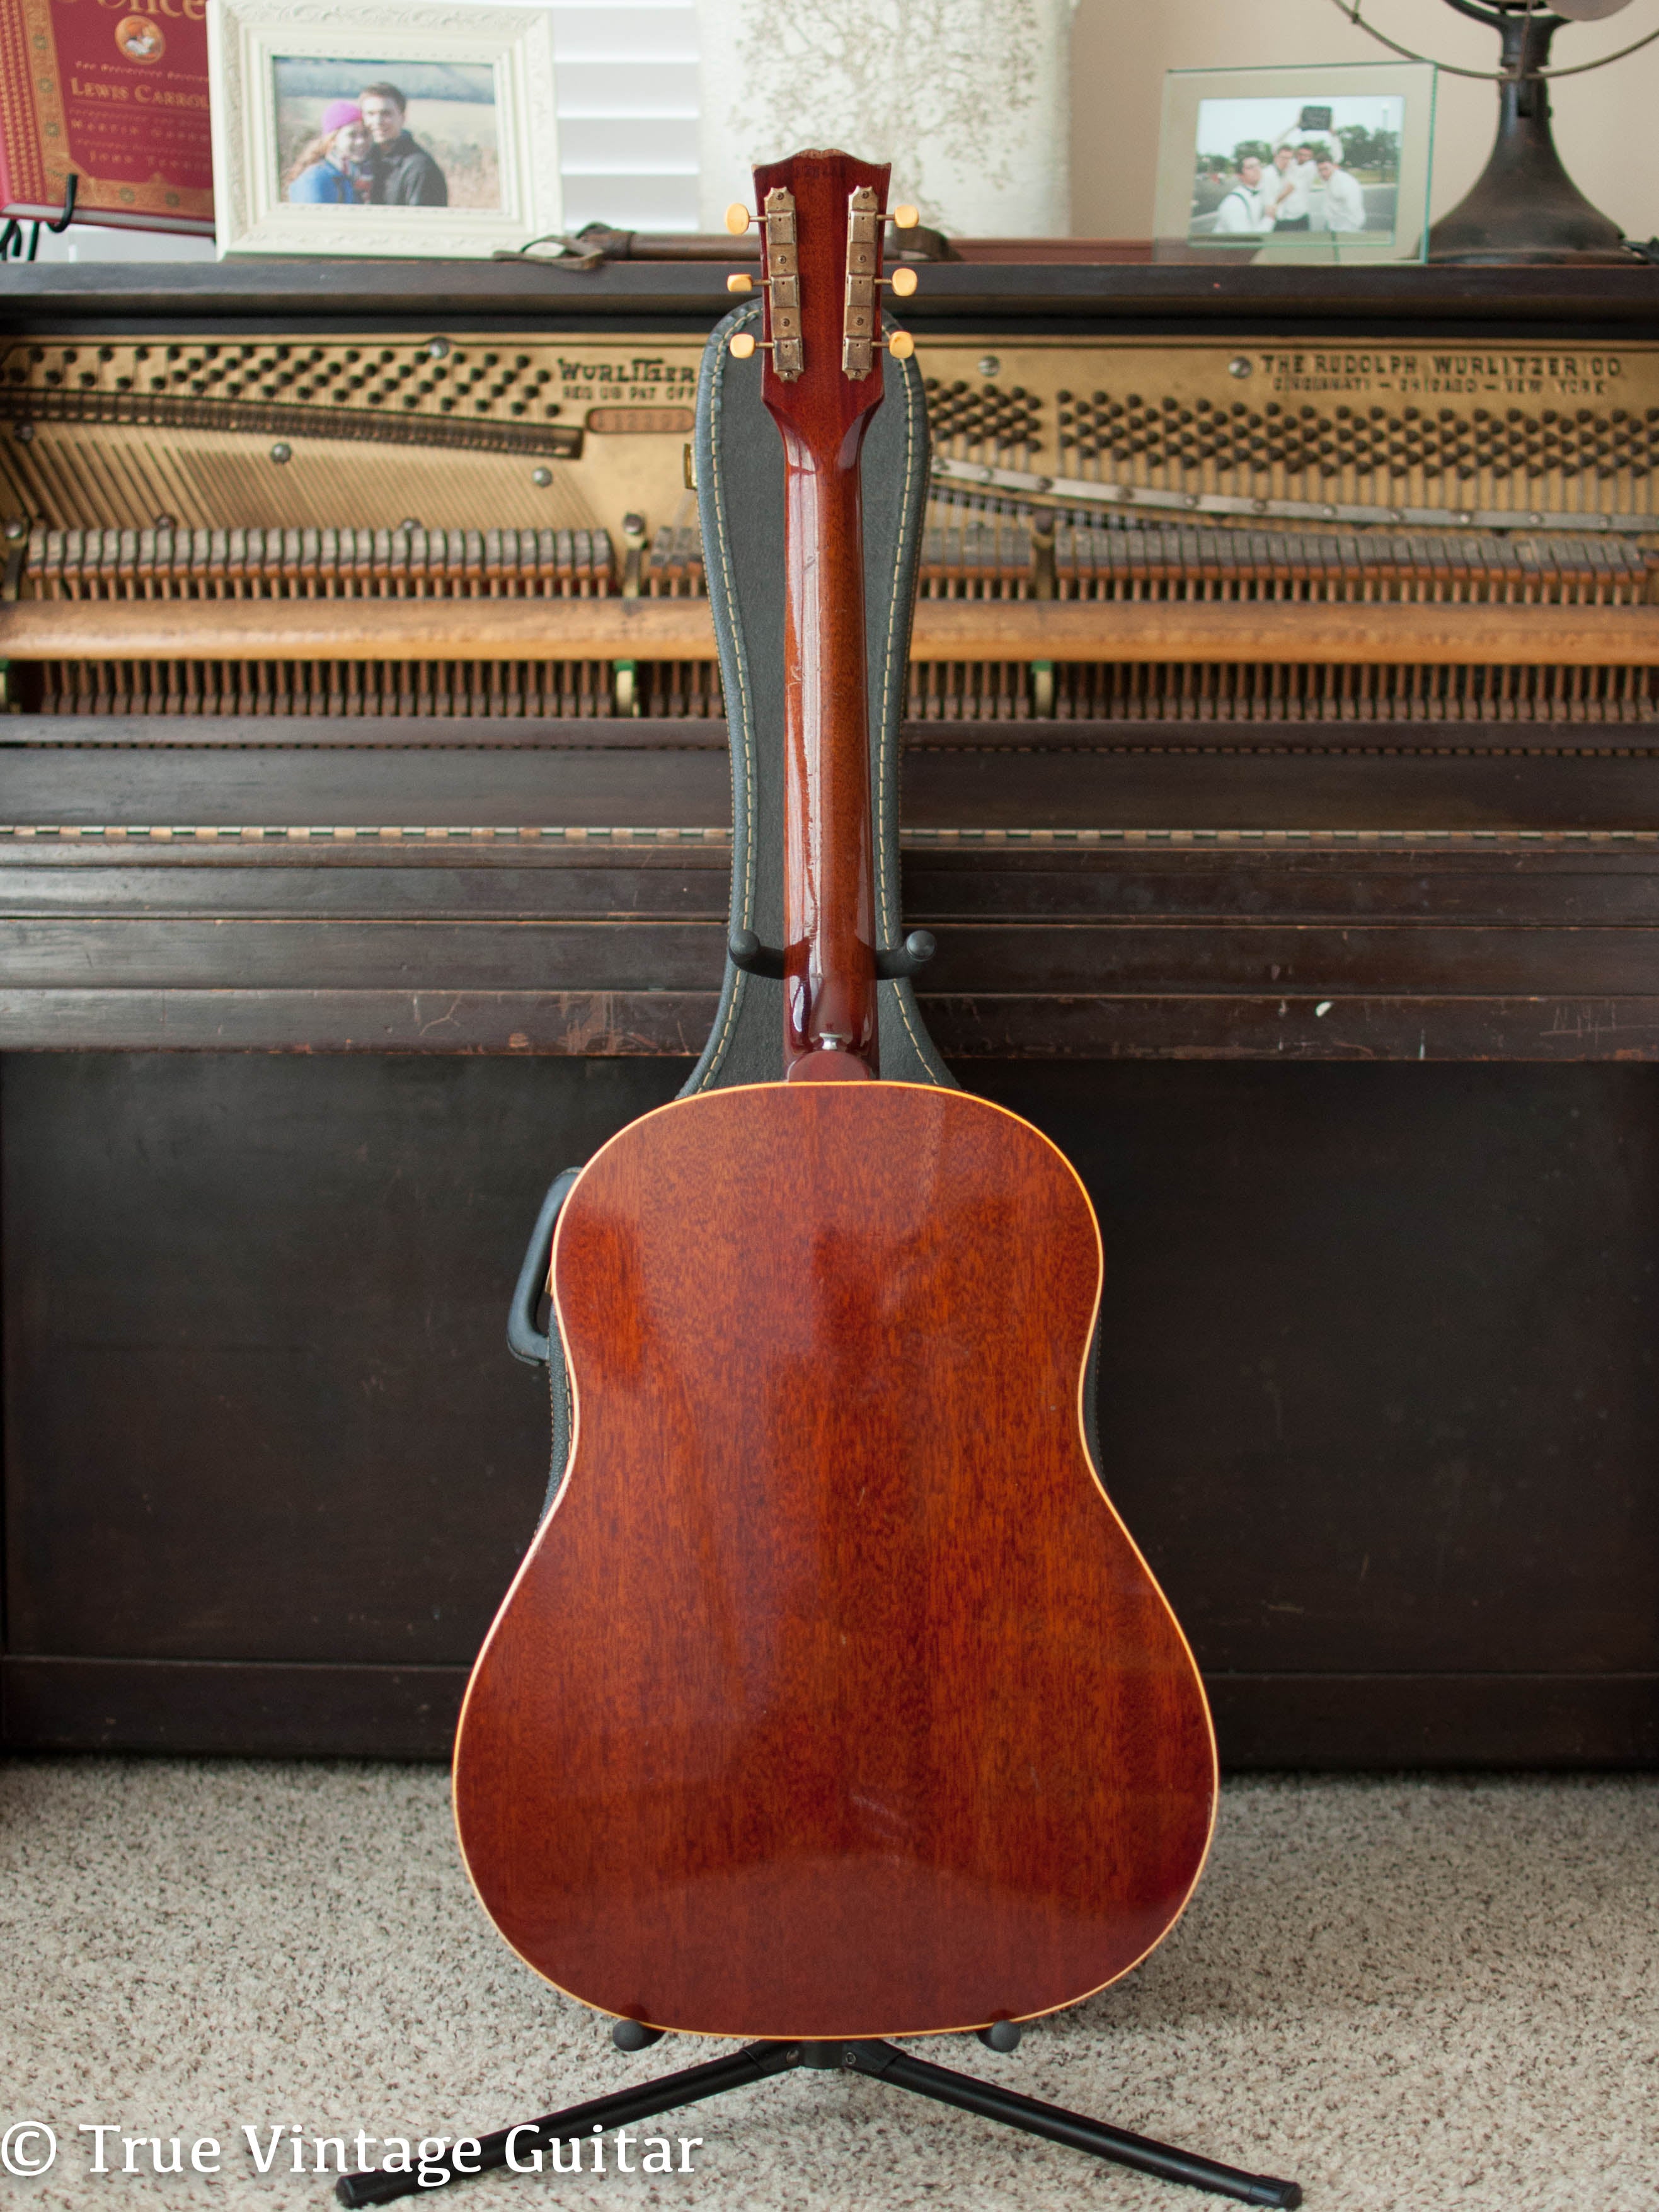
<point>821,218</point>
<point>829,892</point>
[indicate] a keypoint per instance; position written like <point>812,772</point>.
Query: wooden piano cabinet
<point>1378,1396</point>
<point>269,1465</point>
<point>277,1109</point>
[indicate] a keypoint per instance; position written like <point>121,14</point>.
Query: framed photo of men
<point>373,129</point>
<point>1295,164</point>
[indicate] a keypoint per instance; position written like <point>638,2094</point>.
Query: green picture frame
<point>1306,163</point>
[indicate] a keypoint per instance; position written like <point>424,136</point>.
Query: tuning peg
<point>900,345</point>
<point>743,345</point>
<point>904,218</point>
<point>738,218</point>
<point>903,281</point>
<point>739,284</point>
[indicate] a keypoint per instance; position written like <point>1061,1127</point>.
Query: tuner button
<point>739,284</point>
<point>741,345</point>
<point>903,281</point>
<point>906,218</point>
<point>900,345</point>
<point>738,219</point>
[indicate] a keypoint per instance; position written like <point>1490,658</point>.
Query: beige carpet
<point>1410,1994</point>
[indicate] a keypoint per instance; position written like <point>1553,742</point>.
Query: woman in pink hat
<point>330,171</point>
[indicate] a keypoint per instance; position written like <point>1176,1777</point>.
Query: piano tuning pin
<point>904,218</point>
<point>741,345</point>
<point>738,219</point>
<point>739,284</point>
<point>900,345</point>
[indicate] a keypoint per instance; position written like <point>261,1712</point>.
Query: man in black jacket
<point>400,172</point>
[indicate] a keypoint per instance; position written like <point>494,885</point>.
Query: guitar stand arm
<point>527,1339</point>
<point>746,951</point>
<point>755,2062</point>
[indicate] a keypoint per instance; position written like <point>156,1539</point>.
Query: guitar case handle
<point>524,1339</point>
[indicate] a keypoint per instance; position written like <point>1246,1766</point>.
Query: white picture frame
<point>263,55</point>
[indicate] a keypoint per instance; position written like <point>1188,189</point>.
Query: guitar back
<point>832,1698</point>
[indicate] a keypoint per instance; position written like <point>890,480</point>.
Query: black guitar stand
<point>756,2062</point>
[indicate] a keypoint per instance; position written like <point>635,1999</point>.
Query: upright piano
<point>1281,784</point>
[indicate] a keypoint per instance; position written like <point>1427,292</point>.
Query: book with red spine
<point>114,92</point>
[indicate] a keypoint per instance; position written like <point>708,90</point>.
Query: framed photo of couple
<point>1295,164</point>
<point>360,127</point>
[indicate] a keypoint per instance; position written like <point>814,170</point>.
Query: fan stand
<point>1524,209</point>
<point>520,2147</point>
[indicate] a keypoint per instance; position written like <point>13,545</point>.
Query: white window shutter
<point>627,74</point>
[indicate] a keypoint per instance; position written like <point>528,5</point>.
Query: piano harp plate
<point>1295,483</point>
<point>379,430</point>
<point>1463,436</point>
<point>511,431</point>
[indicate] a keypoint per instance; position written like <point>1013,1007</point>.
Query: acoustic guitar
<point>832,1698</point>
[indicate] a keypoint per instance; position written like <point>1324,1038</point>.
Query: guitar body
<point>832,1698</point>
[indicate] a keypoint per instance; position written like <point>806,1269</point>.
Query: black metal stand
<point>11,238</point>
<point>1523,209</point>
<point>755,2062</point>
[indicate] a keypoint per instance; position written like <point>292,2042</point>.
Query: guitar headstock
<point>821,218</point>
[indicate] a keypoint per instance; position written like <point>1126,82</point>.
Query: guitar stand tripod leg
<point>736,2071</point>
<point>1074,2129</point>
<point>756,2061</point>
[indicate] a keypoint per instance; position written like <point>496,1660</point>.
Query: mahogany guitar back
<point>832,1698</point>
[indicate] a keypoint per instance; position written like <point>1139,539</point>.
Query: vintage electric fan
<point>1524,208</point>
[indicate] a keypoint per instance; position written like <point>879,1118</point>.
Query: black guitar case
<point>739,464</point>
